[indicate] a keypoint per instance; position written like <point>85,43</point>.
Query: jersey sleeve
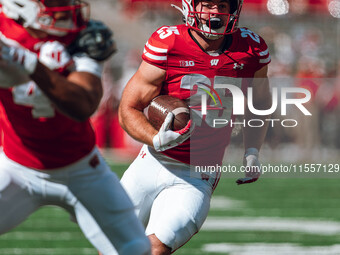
<point>258,48</point>
<point>157,47</point>
<point>261,54</point>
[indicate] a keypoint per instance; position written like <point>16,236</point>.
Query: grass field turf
<point>49,231</point>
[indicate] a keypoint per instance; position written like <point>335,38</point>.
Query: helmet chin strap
<point>211,27</point>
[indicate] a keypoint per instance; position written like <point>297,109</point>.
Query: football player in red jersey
<point>208,50</point>
<point>49,154</point>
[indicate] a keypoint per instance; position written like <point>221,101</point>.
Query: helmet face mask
<point>212,27</point>
<point>52,19</point>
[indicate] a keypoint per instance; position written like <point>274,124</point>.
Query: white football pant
<point>92,194</point>
<point>170,201</point>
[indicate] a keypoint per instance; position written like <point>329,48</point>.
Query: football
<point>160,107</point>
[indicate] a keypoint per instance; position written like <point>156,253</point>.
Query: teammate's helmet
<point>39,15</point>
<point>213,28</point>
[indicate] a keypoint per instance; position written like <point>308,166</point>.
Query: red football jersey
<point>190,71</point>
<point>36,135</point>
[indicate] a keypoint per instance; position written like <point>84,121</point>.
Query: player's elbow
<point>264,102</point>
<point>82,117</point>
<point>126,115</point>
<point>80,113</point>
<point>122,111</point>
<point>79,116</point>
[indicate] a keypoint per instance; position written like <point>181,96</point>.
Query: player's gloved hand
<point>253,166</point>
<point>19,57</point>
<point>96,40</point>
<point>167,139</point>
<point>54,55</point>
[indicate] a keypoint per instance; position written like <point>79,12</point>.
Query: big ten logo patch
<point>186,63</point>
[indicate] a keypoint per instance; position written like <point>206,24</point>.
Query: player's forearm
<point>254,137</point>
<point>73,100</point>
<point>134,122</point>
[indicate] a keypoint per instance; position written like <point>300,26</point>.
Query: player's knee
<point>161,250</point>
<point>140,246</point>
<point>157,247</point>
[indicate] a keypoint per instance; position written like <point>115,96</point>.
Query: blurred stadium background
<point>304,43</point>
<point>297,215</point>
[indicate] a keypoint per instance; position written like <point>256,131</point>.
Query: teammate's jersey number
<point>30,95</point>
<point>204,91</point>
<point>166,31</point>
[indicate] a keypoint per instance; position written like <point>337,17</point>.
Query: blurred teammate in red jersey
<point>50,157</point>
<point>209,49</point>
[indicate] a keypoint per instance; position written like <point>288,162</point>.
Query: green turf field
<point>272,216</point>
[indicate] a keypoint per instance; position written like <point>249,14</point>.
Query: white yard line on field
<point>226,204</point>
<point>309,226</point>
<point>270,249</point>
<point>49,251</point>
<point>46,236</point>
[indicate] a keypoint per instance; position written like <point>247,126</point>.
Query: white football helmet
<point>38,15</point>
<point>213,28</point>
